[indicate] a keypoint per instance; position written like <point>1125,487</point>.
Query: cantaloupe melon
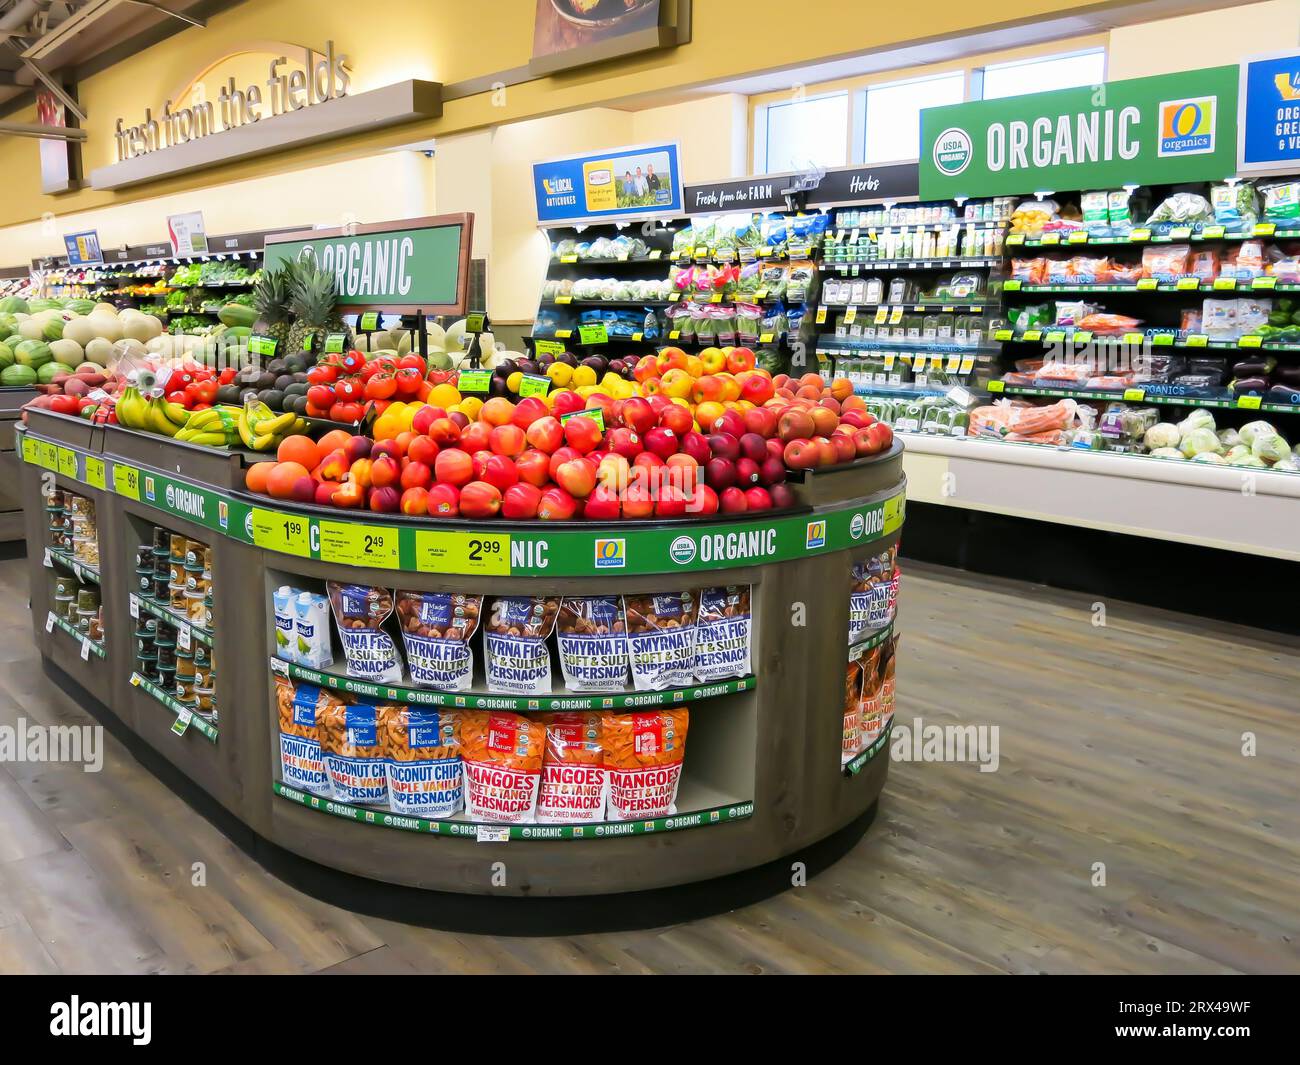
<point>32,328</point>
<point>141,327</point>
<point>67,352</point>
<point>105,308</point>
<point>107,326</point>
<point>100,351</point>
<point>80,330</point>
<point>129,348</point>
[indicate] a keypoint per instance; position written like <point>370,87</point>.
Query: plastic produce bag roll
<point>436,631</point>
<point>592,635</point>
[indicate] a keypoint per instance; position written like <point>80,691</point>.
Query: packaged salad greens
<point>1282,201</point>
<point>1236,207</point>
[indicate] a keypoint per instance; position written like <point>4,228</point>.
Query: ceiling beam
<point>161,9</point>
<point>50,133</point>
<point>50,83</point>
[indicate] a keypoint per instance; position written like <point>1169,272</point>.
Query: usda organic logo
<point>952,151</point>
<point>682,550</point>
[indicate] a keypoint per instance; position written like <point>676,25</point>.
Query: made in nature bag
<point>872,714</point>
<point>360,612</point>
<point>422,749</point>
<point>502,754</point>
<point>302,763</point>
<point>354,754</point>
<point>661,639</point>
<point>436,630</point>
<point>851,742</point>
<point>574,778</point>
<point>643,755</point>
<point>592,634</point>
<point>723,633</point>
<point>518,661</point>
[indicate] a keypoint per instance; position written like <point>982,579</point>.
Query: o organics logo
<point>1187,126</point>
<point>682,550</point>
<point>223,513</point>
<point>952,151</point>
<point>816,536</point>
<point>611,554</point>
<point>148,488</point>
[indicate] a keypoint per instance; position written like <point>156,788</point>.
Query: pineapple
<point>312,301</point>
<point>271,302</point>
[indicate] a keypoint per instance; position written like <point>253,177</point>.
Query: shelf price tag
<point>1147,284</point>
<point>1185,283</point>
<point>593,334</point>
<point>67,463</point>
<point>1212,232</point>
<point>126,481</point>
<point>95,473</point>
<point>49,621</point>
<point>1132,338</point>
<point>1056,336</point>
<point>1180,232</point>
<point>850,316</point>
<point>673,297</point>
<point>1196,340</point>
<point>716,298</point>
<point>638,337</point>
<point>1082,337</point>
<point>563,299</point>
<point>760,294</point>
<point>1079,236</point>
<point>967,364</point>
<point>1002,335</point>
<point>1265,229</point>
<point>542,347</point>
<point>1250,341</point>
<point>767,338</point>
<point>31,450</point>
<point>335,343</point>
<point>533,385</point>
<point>481,380</point>
<point>1162,340</point>
<point>1015,238</point>
<point>480,554</point>
<point>264,345</point>
<point>895,315</point>
<point>1134,395</point>
<point>184,637</point>
<point>564,334</point>
<point>350,544</point>
<point>675,334</point>
<point>1264,282</point>
<point>1137,236</point>
<point>1051,238</point>
<point>996,386</point>
<point>882,313</point>
<point>133,605</point>
<point>49,456</point>
<point>568,258</point>
<point>1032,335</point>
<point>287,534</point>
<point>1011,286</point>
<point>821,315</point>
<point>1248,402</point>
<point>656,254</point>
<point>1222,283</point>
<point>182,722</point>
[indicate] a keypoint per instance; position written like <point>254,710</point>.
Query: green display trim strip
<point>857,650</point>
<point>197,721</point>
<point>82,571</point>
<point>861,761</point>
<point>1253,342</point>
<point>1037,242</point>
<point>717,815</point>
<point>497,551</point>
<point>81,638</point>
<point>521,703</point>
<point>1240,283</point>
<point>168,615</point>
<point>1226,403</point>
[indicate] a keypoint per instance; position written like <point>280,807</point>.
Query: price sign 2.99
<point>487,554</point>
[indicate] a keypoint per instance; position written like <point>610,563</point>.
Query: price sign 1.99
<point>289,534</point>
<point>372,546</point>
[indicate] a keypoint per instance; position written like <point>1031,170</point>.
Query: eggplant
<point>1250,384</point>
<point>1288,376</point>
<point>1284,394</point>
<point>595,362</point>
<point>498,387</point>
<point>568,358</point>
<point>546,359</point>
<point>528,366</point>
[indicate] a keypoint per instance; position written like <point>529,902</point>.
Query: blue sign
<point>645,180</point>
<point>1270,113</point>
<point>83,248</point>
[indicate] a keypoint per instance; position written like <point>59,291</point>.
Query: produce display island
<point>765,779</point>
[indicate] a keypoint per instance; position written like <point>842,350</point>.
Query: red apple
<point>425,417</point>
<point>565,402</point>
<point>444,500</point>
<point>417,475</point>
<point>724,446</point>
<point>855,418</point>
<point>385,500</point>
<point>534,467</point>
<point>521,501</point>
<point>475,438</point>
<point>747,472</point>
<point>561,456</point>
<point>501,471</point>
<point>415,502</point>
<point>757,498</point>
<point>720,473</point>
<point>801,455</point>
<point>625,442</point>
<point>577,477</point>
<point>638,415</point>
<point>705,501</point>
<point>481,460</point>
<point>422,449</point>
<point>454,467</point>
<point>582,433</point>
<point>677,418</point>
<point>528,411</point>
<point>385,472</point>
<point>661,441</point>
<point>556,505</point>
<point>657,404</point>
<point>508,440</point>
<point>602,505</point>
<point>783,496</point>
<point>771,471</point>
<point>753,446</point>
<point>696,445</point>
<point>775,448</point>
<point>671,502</point>
<point>638,500</point>
<point>795,424</point>
<point>882,435</point>
<point>545,434</point>
<point>445,433</point>
<point>614,472</point>
<point>845,449</point>
<point>760,420</point>
<point>479,499</point>
<point>732,501</point>
<point>826,453</point>
<point>731,423</point>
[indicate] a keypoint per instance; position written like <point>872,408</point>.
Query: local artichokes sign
<point>419,264</point>
<point>1142,131</point>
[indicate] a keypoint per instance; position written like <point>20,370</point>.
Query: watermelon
<point>6,356</point>
<point>32,353</point>
<point>38,305</point>
<point>22,376</point>
<point>5,332</point>
<point>770,359</point>
<point>53,329</point>
<point>79,306</point>
<point>13,305</point>
<point>47,373</point>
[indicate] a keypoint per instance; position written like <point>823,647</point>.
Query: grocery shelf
<point>874,640</point>
<point>164,613</point>
<point>573,260</point>
<point>1145,235</point>
<point>479,698</point>
<point>905,344</point>
<point>916,306</point>
<point>949,262</point>
<point>1186,284</point>
<point>862,760</point>
<point>978,224</point>
<point>186,716</point>
<point>1048,337</point>
<point>88,646</point>
<point>690,798</point>
<point>1139,394</point>
<point>79,569</point>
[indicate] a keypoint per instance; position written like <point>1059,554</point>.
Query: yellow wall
<point>450,41</point>
<point>1213,38</point>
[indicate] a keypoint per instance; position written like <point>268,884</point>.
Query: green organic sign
<point>1163,129</point>
<point>410,266</point>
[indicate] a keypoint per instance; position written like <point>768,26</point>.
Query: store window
<point>893,114</point>
<point>802,133</point>
<point>1001,80</point>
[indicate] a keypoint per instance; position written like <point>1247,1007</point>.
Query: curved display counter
<point>765,781</point>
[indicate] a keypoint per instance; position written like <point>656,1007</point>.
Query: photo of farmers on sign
<point>627,181</point>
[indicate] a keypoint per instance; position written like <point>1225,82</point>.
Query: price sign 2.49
<point>373,546</point>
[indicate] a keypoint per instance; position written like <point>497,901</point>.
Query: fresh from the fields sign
<point>1169,128</point>
<point>414,265</point>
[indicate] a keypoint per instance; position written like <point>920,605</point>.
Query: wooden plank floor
<point>1119,745</point>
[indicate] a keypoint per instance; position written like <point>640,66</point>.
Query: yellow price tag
<point>1015,238</point>
<point>881,314</point>
<point>126,481</point>
<point>954,363</point>
<point>821,315</point>
<point>675,334</point>
<point>656,254</point>
<point>1079,236</point>
<point>760,294</point>
<point>1248,402</point>
<point>1225,283</point>
<point>96,475</point>
<point>289,534</point>
<point>479,554</point>
<point>1136,236</point>
<point>373,546</point>
<point>1001,335</point>
<point>1185,283</point>
<point>1196,340</point>
<point>1250,341</point>
<point>1132,338</point>
<point>850,316</point>
<point>767,338</point>
<point>1265,229</point>
<point>996,386</point>
<point>564,334</point>
<point>49,455</point>
<point>1032,335</point>
<point>637,337</point>
<point>1264,282</point>
<point>31,451</point>
<point>1051,238</point>
<point>716,298</point>
<point>1145,284</point>
<point>563,299</point>
<point>967,364</point>
<point>568,258</point>
<point>1134,395</point>
<point>673,297</point>
<point>67,461</point>
<point>896,316</point>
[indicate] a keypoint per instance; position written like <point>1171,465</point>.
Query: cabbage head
<point>1211,457</point>
<point>1252,429</point>
<point>1248,460</point>
<point>1162,434</point>
<point>1270,448</point>
<point>1199,440</point>
<point>1229,438</point>
<point>1198,419</point>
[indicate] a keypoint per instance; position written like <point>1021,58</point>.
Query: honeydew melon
<point>80,330</point>
<point>141,327</point>
<point>99,351</point>
<point>107,326</point>
<point>104,308</point>
<point>68,353</point>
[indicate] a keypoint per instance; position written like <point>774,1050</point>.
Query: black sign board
<point>233,243</point>
<point>759,193</point>
<point>859,184</point>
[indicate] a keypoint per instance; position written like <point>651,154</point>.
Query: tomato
<point>346,412</point>
<point>206,392</point>
<point>178,397</point>
<point>227,375</point>
<point>320,396</point>
<point>349,390</point>
<point>353,361</point>
<point>65,405</point>
<point>381,386</point>
<point>412,361</point>
<point>323,374</point>
<point>409,379</point>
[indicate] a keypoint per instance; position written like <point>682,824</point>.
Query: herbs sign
<point>320,79</point>
<point>1165,129</point>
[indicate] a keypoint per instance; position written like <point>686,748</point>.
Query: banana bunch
<point>262,429</point>
<point>152,415</point>
<point>214,427</point>
<point>132,409</point>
